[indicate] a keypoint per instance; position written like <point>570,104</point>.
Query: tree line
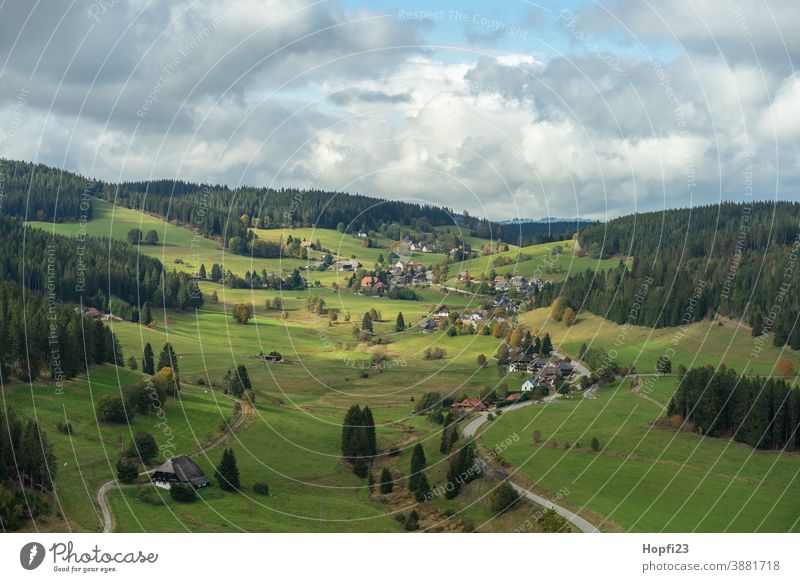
<point>735,260</point>
<point>27,466</point>
<point>92,271</point>
<point>761,412</point>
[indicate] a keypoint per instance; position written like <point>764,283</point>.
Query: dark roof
<point>185,470</point>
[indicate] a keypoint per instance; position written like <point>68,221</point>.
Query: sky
<point>507,110</point>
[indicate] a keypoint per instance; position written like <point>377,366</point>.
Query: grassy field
<point>86,458</point>
<point>649,478</point>
<point>542,263</point>
<point>178,243</point>
<point>698,344</point>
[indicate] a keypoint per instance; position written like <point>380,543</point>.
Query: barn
<point>180,470</point>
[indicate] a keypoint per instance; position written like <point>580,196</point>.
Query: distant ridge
<point>546,220</point>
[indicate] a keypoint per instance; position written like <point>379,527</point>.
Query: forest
<point>761,412</point>
<point>27,466</point>
<point>94,271</point>
<point>38,192</point>
<point>731,260</point>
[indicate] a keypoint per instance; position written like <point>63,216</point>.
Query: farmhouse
<point>346,265</point>
<point>180,470</point>
<point>429,326</point>
<point>93,313</point>
<point>469,404</point>
<point>307,244</point>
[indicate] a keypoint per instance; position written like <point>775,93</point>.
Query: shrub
<point>412,521</point>
<point>503,497</point>
<point>127,471</point>
<point>261,488</point>
<point>144,447</point>
<point>65,427</point>
<point>595,444</point>
<point>149,494</point>
<point>111,409</point>
<point>182,492</point>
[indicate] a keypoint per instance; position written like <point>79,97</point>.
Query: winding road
<point>108,519</point>
<point>471,429</point>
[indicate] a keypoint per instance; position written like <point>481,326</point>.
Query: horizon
<point>525,110</point>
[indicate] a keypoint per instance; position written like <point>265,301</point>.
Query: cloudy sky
<point>534,109</point>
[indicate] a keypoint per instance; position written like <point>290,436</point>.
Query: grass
<point>86,458</point>
<point>698,344</point>
<point>647,478</point>
<point>542,263</point>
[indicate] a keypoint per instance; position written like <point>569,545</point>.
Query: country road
<point>471,429</point>
<point>108,519</point>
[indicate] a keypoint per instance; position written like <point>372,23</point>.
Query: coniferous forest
<point>731,260</point>
<point>761,412</point>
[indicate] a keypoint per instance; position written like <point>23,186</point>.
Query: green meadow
<point>698,344</point>
<point>538,260</point>
<point>649,478</point>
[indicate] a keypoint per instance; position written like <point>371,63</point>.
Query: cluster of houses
<point>410,273</point>
<point>542,374</point>
<point>419,246</point>
<point>519,283</point>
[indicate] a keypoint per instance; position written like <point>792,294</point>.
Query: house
<point>379,287</point>
<point>180,469</point>
<point>464,276</point>
<point>441,312</point>
<point>362,234</point>
<point>93,313</point>
<point>425,249</point>
<point>269,357</point>
<point>469,404</point>
<point>499,279</point>
<point>346,265</point>
<point>413,246</point>
<point>502,286</point>
<point>550,371</point>
<point>369,281</point>
<point>565,368</point>
<point>307,244</point>
<point>520,364</point>
<point>529,384</point>
<point>400,265</point>
<point>513,397</point>
<point>429,326</point>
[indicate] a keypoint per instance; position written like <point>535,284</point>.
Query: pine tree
<point>202,272</point>
<point>227,473</point>
<point>418,482</point>
<point>351,427</point>
<point>167,358</point>
<point>240,381</point>
<point>366,323</point>
<point>387,484</point>
<point>400,324</point>
<point>371,439</point>
<point>146,317</point>
<point>547,345</point>
<point>147,360</point>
